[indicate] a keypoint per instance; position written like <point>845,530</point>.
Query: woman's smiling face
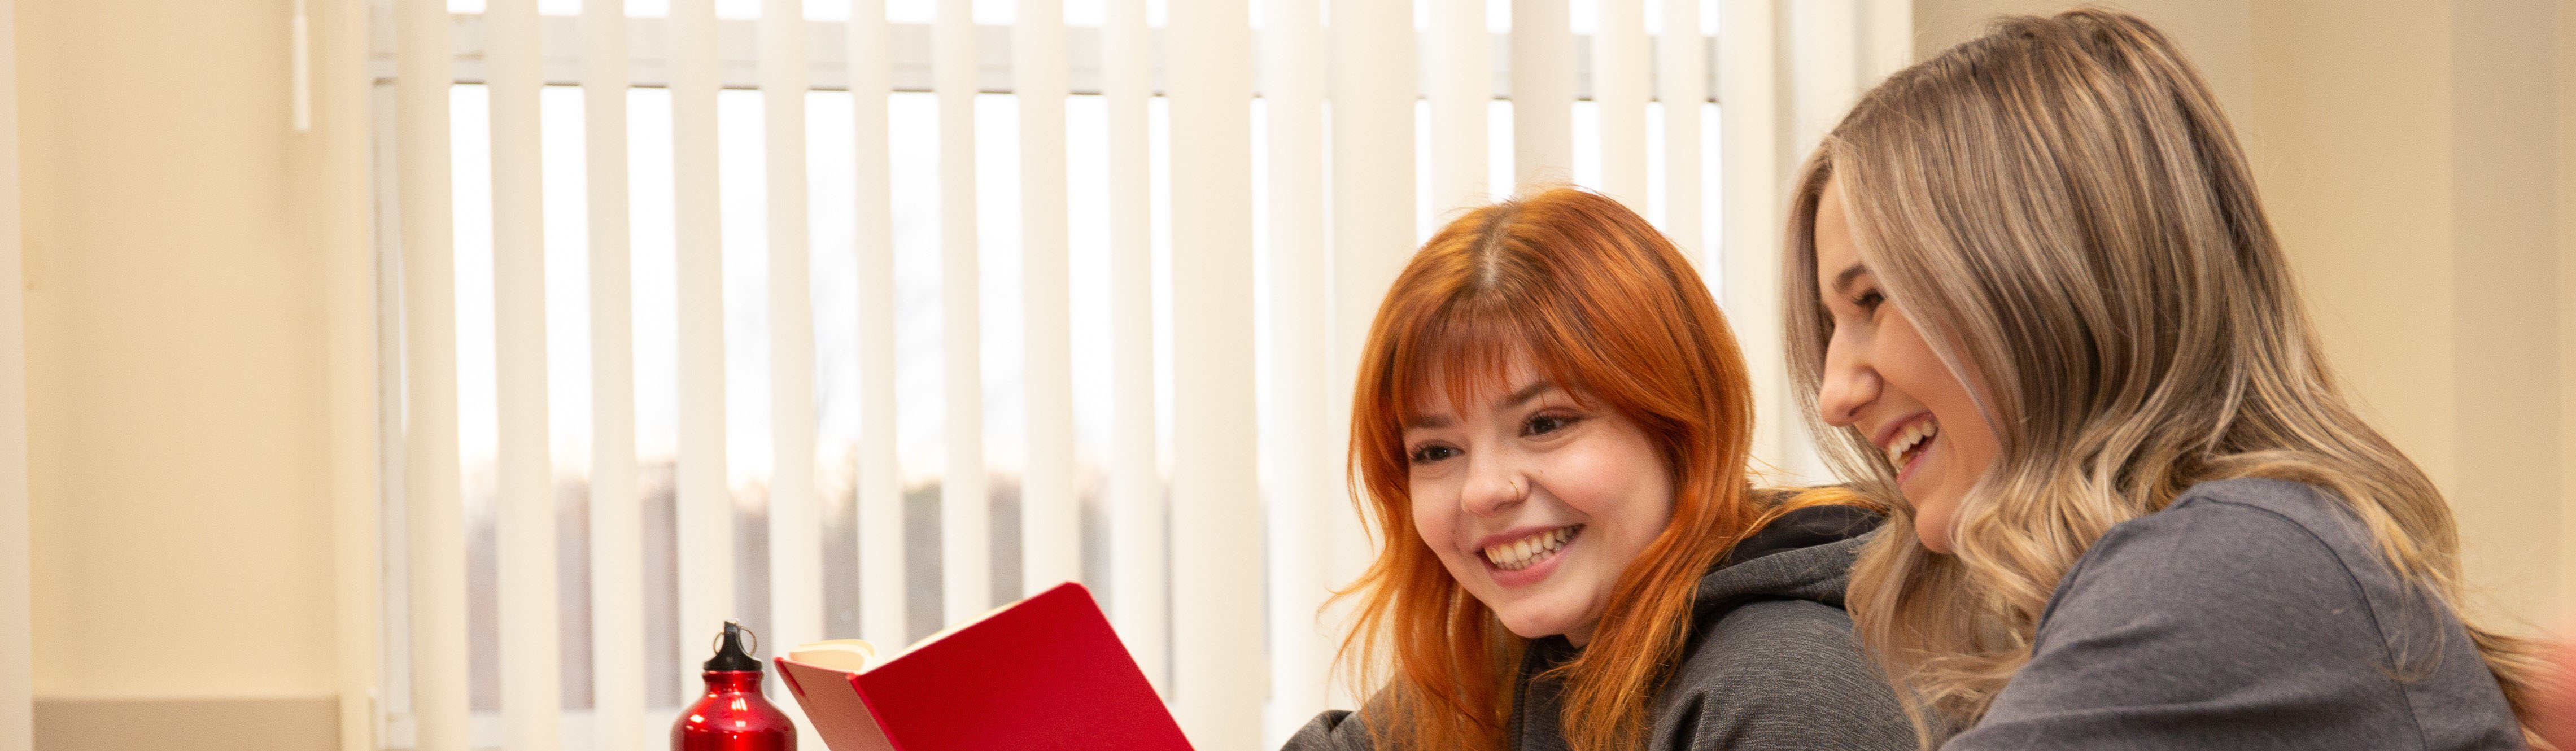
<point>1534,500</point>
<point>1884,381</point>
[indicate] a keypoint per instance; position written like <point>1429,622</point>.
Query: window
<point>919,369</point>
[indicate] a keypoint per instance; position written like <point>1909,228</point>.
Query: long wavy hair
<point>1603,304</point>
<point>2062,209</point>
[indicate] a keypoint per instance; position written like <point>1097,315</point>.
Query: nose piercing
<point>1516,488</point>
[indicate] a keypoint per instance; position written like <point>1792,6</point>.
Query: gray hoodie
<point>1770,663</point>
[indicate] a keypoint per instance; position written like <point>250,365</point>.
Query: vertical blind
<point>853,318</point>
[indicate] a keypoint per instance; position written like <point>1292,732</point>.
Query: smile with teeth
<point>1529,551</point>
<point>1906,441</point>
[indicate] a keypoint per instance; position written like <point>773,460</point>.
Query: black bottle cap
<point>730,654</point>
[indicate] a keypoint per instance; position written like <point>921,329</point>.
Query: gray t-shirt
<point>2248,614</point>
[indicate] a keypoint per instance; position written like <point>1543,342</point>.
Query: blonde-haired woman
<point>2033,294</point>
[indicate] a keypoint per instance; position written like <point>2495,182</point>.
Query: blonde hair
<point>2063,210</point>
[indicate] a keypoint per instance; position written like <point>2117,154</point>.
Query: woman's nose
<point>1493,489</point>
<point>1849,386</point>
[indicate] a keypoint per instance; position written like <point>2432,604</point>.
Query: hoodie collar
<point>1805,554</point>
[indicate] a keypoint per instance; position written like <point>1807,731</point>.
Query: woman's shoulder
<point>1781,633</point>
<point>1778,674</point>
<point>2248,580</point>
<point>2224,532</point>
<point>2307,506</point>
<point>2229,535</point>
<point>2240,599</point>
<point>1333,730</point>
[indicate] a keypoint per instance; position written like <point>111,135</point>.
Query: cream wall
<point>2567,307</point>
<point>2504,350</point>
<point>185,349</point>
<point>2409,154</point>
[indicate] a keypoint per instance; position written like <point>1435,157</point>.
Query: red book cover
<point>1043,673</point>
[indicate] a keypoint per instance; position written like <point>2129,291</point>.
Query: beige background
<point>195,301</point>
<point>198,313</point>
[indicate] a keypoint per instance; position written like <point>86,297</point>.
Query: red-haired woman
<point>1551,428</point>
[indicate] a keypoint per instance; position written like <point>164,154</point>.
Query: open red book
<point>1042,673</point>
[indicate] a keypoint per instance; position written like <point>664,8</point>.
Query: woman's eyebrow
<point>1844,279</point>
<point>1526,393</point>
<point>1514,399</point>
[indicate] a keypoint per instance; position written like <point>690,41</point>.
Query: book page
<point>831,702</point>
<point>849,655</point>
<point>943,633</point>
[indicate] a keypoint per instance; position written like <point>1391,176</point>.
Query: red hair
<point>1604,305</point>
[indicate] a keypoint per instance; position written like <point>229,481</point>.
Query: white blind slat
<point>1542,75</point>
<point>1372,200</point>
<point>880,484</point>
<point>1619,86</point>
<point>1462,82</point>
<point>1305,498</point>
<point>1749,145</point>
<point>1136,538</point>
<point>795,526</point>
<point>1826,54</point>
<point>1682,85</point>
<point>616,525</point>
<point>705,516</point>
<point>1050,520</point>
<point>1217,648</point>
<point>795,547</point>
<point>434,511</point>
<point>965,527</point>
<point>531,690</point>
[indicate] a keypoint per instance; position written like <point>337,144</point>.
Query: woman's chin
<point>1534,631</point>
<point>1935,537</point>
<point>1932,523</point>
<point>1537,622</point>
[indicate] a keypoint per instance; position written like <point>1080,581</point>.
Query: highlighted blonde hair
<point>1605,306</point>
<point>2062,209</point>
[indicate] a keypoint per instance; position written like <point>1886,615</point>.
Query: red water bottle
<point>733,716</point>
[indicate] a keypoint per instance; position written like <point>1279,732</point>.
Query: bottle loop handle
<point>752,649</point>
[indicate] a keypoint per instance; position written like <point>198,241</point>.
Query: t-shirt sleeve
<point>2216,625</point>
